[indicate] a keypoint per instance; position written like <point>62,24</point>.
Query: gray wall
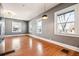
<point>48,27</point>
<point>8,26</point>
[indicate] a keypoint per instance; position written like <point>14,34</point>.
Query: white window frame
<point>76,23</point>
<point>37,31</point>
<point>20,26</point>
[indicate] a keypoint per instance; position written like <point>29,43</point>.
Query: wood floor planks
<point>29,46</point>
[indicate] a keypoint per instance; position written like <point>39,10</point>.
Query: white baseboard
<point>13,35</point>
<point>57,43</point>
<point>51,41</point>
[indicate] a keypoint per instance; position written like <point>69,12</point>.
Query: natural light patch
<point>30,42</point>
<point>39,49</point>
<point>16,43</point>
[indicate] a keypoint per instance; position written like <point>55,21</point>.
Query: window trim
<point>76,10</point>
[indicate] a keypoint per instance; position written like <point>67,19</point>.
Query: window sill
<point>70,35</point>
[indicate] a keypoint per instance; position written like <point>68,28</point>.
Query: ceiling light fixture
<point>44,16</point>
<point>8,13</point>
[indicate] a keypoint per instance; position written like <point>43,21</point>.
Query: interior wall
<point>48,27</point>
<point>8,26</point>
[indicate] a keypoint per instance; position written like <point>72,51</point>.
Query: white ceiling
<point>25,11</point>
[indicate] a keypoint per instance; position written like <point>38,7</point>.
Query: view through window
<point>16,26</point>
<point>65,22</point>
<point>39,26</point>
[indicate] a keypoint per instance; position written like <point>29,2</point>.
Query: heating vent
<point>65,51</point>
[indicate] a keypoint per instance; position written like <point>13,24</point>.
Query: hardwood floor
<point>29,46</point>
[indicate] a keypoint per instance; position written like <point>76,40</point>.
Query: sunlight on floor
<point>2,47</point>
<point>16,43</point>
<point>30,42</point>
<point>39,49</point>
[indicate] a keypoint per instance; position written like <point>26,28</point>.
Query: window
<point>39,26</point>
<point>66,21</point>
<point>30,27</point>
<point>16,26</point>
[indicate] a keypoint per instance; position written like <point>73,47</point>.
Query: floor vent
<point>65,51</point>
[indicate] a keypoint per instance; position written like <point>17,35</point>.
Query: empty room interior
<point>39,29</point>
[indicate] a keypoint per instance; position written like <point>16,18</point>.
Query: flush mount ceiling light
<point>8,13</point>
<point>44,16</point>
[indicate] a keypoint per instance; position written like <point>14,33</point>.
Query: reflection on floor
<point>29,46</point>
<point>2,46</point>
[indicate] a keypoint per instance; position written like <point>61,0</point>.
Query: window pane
<point>39,26</point>
<point>69,16</point>
<point>60,28</point>
<point>66,17</point>
<point>70,28</point>
<point>16,26</point>
<point>39,23</point>
<point>61,19</point>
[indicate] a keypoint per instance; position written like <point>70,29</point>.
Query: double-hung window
<point>66,21</point>
<point>30,27</point>
<point>39,26</point>
<point>16,26</point>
